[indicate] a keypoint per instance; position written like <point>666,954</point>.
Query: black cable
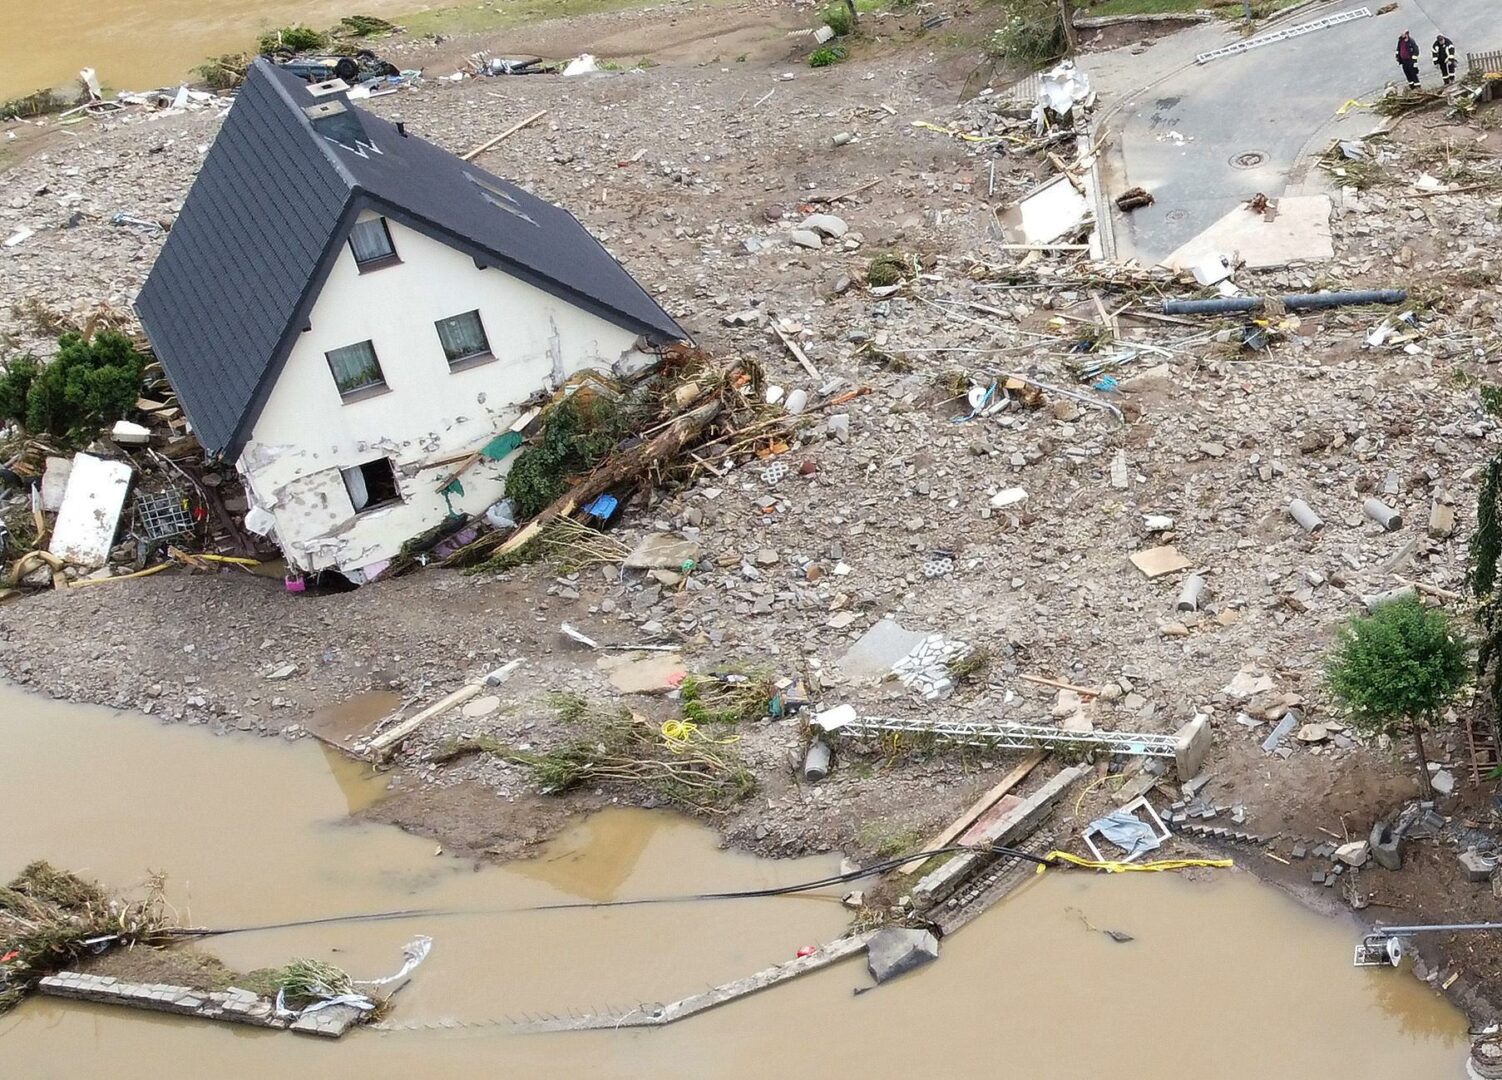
<point>741,894</point>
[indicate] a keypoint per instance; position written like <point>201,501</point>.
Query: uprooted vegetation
<point>728,699</point>
<point>595,443</point>
<point>611,746</point>
<point>576,434</point>
<point>1031,33</point>
<point>50,918</point>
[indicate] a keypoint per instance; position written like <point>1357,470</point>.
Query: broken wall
<point>427,414</point>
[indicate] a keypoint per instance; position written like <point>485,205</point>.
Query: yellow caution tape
<point>1134,867</point>
<point>952,132</point>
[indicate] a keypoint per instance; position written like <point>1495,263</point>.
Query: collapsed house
<point>347,312</point>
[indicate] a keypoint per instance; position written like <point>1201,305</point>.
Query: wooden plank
<point>798,353</point>
<point>1083,691</point>
<point>510,131</point>
<point>384,743</point>
<point>976,809</point>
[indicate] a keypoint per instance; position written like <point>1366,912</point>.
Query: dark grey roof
<point>270,210</point>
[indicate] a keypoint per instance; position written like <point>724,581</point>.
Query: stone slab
<point>1296,230</point>
<point>879,649</point>
<point>662,551</point>
<point>652,673</point>
<point>897,950</point>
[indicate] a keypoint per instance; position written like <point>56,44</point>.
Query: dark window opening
<point>463,337</point>
<point>372,485</point>
<point>356,368</point>
<point>370,241</point>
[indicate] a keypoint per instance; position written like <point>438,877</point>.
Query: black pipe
<point>1293,301</point>
<point>744,894</point>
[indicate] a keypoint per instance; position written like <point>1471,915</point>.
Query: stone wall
<point>234,1005</point>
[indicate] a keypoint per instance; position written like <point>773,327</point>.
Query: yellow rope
<point>1124,867</point>
<point>678,734</point>
<point>951,132</point>
<point>157,569</point>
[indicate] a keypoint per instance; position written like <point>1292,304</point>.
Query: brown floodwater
<point>1225,978</point>
<point>141,44</point>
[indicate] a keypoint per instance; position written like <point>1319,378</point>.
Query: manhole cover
<point>1249,160</point>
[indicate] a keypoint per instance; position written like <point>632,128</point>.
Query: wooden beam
<point>470,155</point>
<point>385,742</point>
<point>798,353</point>
<point>977,808</point>
<point>1084,691</point>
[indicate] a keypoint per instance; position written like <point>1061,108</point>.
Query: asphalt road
<point>1209,136</point>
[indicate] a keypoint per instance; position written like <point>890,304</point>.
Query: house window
<point>371,243</point>
<point>372,485</point>
<point>356,369</point>
<point>463,337</point>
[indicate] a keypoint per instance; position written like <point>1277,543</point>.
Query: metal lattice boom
<point>1017,736</point>
<point>1284,35</point>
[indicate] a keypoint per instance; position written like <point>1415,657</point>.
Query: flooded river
<point>140,44</point>
<point>1224,979</point>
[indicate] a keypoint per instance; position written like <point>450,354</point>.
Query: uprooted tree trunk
<point>617,470</point>
<point>1426,785</point>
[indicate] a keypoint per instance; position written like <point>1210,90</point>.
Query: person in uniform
<point>1408,58</point>
<point>1444,58</point>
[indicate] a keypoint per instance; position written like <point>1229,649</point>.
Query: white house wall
<point>306,434</point>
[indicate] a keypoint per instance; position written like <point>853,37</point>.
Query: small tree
<point>90,383</point>
<point>1396,669</point>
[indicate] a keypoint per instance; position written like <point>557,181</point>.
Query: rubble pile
<point>974,449</point>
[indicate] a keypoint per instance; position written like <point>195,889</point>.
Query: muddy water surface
<point>1225,978</point>
<point>141,44</point>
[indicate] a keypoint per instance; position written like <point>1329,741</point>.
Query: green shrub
<point>15,384</point>
<point>575,436</point>
<point>826,56</point>
<point>294,38</point>
<point>88,385</point>
<point>838,18</point>
<point>889,268</point>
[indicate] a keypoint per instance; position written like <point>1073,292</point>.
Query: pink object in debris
<point>295,583</point>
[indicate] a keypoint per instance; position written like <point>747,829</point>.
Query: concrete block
<point>1441,520</point>
<point>897,950</point>
<point>1387,847</point>
<point>1477,867</point>
<point>1192,746</point>
<point>1355,853</point>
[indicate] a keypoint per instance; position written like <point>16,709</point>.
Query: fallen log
<point>617,470</point>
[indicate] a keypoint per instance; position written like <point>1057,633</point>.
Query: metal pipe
<point>1382,514</point>
<point>1189,595</point>
<point>1301,512</point>
<point>1305,301</point>
<point>1439,928</point>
